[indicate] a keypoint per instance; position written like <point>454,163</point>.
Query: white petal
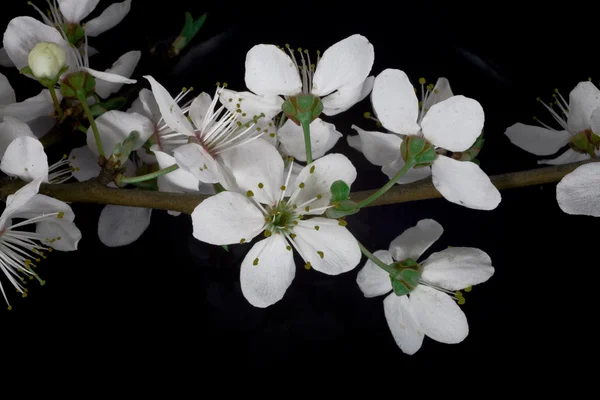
<point>441,92</point>
<point>254,163</point>
<point>457,268</point>
<point>346,63</point>
<point>379,148</point>
<point>25,158</point>
<point>464,183</point>
<point>7,94</point>
<point>338,247</point>
<point>195,160</point>
<point>114,127</point>
<point>269,71</point>
<point>346,97</point>
<point>179,179</point>
<point>16,201</point>
<point>5,60</point>
<point>92,51</point>
<point>454,124</point>
<point>27,110</point>
<point>42,125</point>
<point>84,163</point>
<point>372,280</point>
<point>76,10</point>
<point>108,19</point>
<point>11,129</point>
<point>405,329</point>
<point>413,174</point>
<point>251,104</point>
<point>395,102</point>
<point>414,241</point>
<point>583,101</point>
<point>170,111</point>
<point>323,137</point>
<point>227,218</point>
<point>438,315</point>
<point>108,76</point>
<point>66,230</point>
<point>199,108</point>
<point>578,193</point>
<point>266,282</point>
<point>569,156</point>
<point>120,226</point>
<point>23,33</point>
<point>146,105</point>
<point>331,168</point>
<point>41,204</point>
<point>536,139</point>
<point>124,67</point>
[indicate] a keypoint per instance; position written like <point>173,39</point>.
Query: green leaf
<point>189,31</point>
<point>339,191</point>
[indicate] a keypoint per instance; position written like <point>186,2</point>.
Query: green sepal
<point>122,150</point>
<point>471,152</point>
<point>225,247</point>
<point>418,150</point>
<point>75,33</point>
<point>112,104</point>
<point>189,31</point>
<point>399,288</point>
<point>405,281</point>
<point>339,191</point>
<point>303,108</point>
<point>78,85</point>
<point>342,209</point>
<point>219,188</point>
<point>476,161</point>
<point>26,70</point>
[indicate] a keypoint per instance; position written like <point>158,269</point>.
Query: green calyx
<point>417,150</point>
<point>46,82</point>
<point>78,85</point>
<point>585,142</point>
<point>303,108</point>
<point>75,33</point>
<point>111,104</point>
<point>406,276</point>
<point>340,199</point>
<point>472,152</point>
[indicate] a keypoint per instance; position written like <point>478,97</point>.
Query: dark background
<point>171,302</point>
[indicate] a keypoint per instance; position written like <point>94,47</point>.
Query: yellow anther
<point>260,185</point>
<point>312,169</point>
<point>367,115</point>
<point>321,254</point>
<point>282,187</point>
<point>249,193</point>
<point>301,185</point>
<point>268,233</point>
<point>288,248</point>
<point>293,236</point>
<point>242,240</point>
<point>317,227</point>
<point>341,222</point>
<point>319,196</point>
<point>9,308</point>
<point>422,81</point>
<point>307,208</point>
<point>255,262</point>
<point>61,214</point>
<point>307,265</point>
<point>468,289</point>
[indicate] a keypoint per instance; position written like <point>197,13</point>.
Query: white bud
<point>46,60</point>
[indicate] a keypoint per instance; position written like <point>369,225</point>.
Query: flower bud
<point>46,60</point>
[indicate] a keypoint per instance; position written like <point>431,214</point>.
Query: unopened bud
<point>46,60</point>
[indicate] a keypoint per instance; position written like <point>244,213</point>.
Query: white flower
<point>22,155</point>
<point>211,132</point>
<point>72,12</point>
<point>231,217</point>
<point>46,59</point>
<point>430,308</point>
<point>20,250</point>
<point>452,123</point>
<point>36,111</point>
<point>23,33</point>
<point>580,114</point>
<point>578,193</point>
<point>340,78</point>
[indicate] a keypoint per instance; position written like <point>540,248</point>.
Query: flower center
<point>281,218</point>
<point>305,68</point>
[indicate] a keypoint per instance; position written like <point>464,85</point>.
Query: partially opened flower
<point>36,111</point>
<point>24,33</point>
<point>260,205</point>
<point>579,119</point>
<point>578,193</point>
<point>339,77</point>
<point>424,295</point>
<point>211,133</point>
<point>21,250</point>
<point>450,123</point>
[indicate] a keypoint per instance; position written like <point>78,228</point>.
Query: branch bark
<point>94,192</point>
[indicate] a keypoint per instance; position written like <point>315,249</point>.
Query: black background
<point>171,302</point>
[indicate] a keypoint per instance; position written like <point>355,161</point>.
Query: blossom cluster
<point>263,157</point>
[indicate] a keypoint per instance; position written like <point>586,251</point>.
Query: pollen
<point>301,185</point>
<point>422,81</point>
<point>319,196</point>
<point>293,236</point>
<point>312,169</point>
<point>250,193</point>
<point>317,227</point>
<point>288,248</point>
<point>307,208</point>
<point>307,265</point>
<point>282,187</point>
<point>341,222</point>
<point>268,233</point>
<point>468,289</point>
<point>255,262</point>
<point>367,115</point>
<point>260,185</point>
<point>61,214</point>
<point>242,240</point>
<point>321,254</point>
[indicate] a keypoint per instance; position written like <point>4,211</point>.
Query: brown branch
<point>94,192</point>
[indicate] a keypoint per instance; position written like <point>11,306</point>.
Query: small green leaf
<point>122,150</point>
<point>225,247</point>
<point>339,191</point>
<point>219,188</point>
<point>26,70</point>
<point>189,31</point>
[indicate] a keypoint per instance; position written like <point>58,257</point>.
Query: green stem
<point>59,110</point>
<point>407,166</point>
<point>90,117</point>
<point>306,128</point>
<point>147,177</point>
<point>377,261</point>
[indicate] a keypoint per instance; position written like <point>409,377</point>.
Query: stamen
<point>287,179</point>
<point>46,20</point>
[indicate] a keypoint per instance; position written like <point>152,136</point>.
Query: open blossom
<point>429,308</point>
<point>581,114</point>
<point>36,111</point>
<point>21,250</point>
<point>260,204</point>
<point>339,77</point>
<point>24,33</point>
<point>578,193</point>
<point>452,124</point>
